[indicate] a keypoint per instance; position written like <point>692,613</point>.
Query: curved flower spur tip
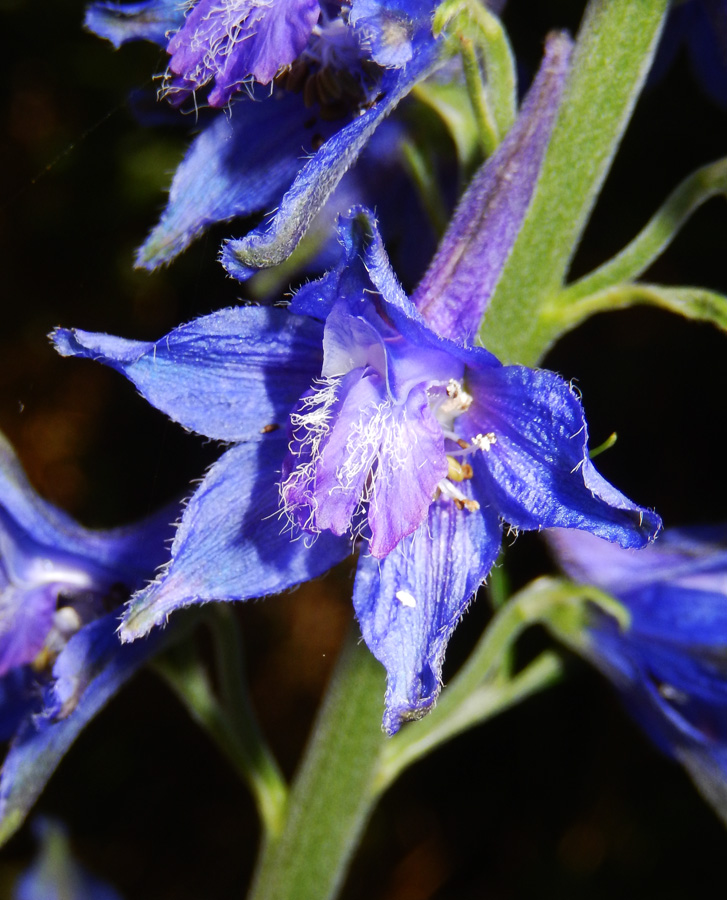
<point>456,289</point>
<point>233,43</point>
<point>231,543</point>
<point>269,245</point>
<point>537,472</point>
<point>232,375</point>
<point>88,672</point>
<point>236,166</point>
<point>409,603</point>
<point>151,20</point>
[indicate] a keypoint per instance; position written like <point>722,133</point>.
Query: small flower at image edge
<point>669,664</point>
<point>61,588</point>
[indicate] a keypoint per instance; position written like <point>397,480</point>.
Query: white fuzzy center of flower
<point>376,432</point>
<point>310,425</point>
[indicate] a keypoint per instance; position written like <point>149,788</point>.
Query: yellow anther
<point>458,471</point>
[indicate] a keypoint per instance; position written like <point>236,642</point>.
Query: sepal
<point>233,375</point>
<point>231,543</point>
<point>409,603</point>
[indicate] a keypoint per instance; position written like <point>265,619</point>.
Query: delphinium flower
<point>359,417</point>
<point>55,874</point>
<point>305,83</point>
<point>670,663</point>
<point>61,586</point>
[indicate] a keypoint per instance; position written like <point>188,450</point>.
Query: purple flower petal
<point>411,464</point>
<point>92,668</point>
<point>232,42</point>
<point>47,560</point>
<point>457,287</point>
<point>230,544</point>
<point>669,664</point>
<point>409,603</point>
<point>230,375</point>
<point>26,617</point>
<point>325,473</point>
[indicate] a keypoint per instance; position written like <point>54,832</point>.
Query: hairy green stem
<point>334,793</point>
<point>615,46</point>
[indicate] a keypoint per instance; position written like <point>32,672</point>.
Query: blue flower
<point>670,664</point>
<point>60,658</point>
<point>357,418</point>
<point>341,69</point>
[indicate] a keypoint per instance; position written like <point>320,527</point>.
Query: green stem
<point>486,125</point>
<point>334,793</point>
<point>694,303</point>
<point>237,737</point>
<point>501,86</point>
<point>349,762</point>
<point>482,37</point>
<point>269,786</point>
<point>650,243</point>
<point>614,50</point>
<point>428,190</point>
<point>482,703</point>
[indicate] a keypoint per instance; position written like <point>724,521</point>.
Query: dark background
<point>562,797</point>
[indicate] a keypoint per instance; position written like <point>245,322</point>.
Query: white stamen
<point>484,441</point>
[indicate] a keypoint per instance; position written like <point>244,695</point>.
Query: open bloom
<point>60,659</point>
<point>669,664</point>
<point>312,81</point>
<point>352,418</point>
<point>359,415</point>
